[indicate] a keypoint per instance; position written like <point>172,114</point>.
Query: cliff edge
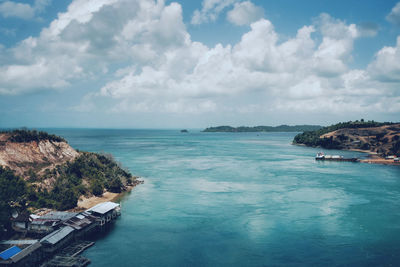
<point>33,155</point>
<point>48,172</point>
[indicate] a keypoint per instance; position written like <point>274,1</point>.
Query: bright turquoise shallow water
<point>247,199</point>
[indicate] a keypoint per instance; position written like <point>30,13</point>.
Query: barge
<point>322,156</point>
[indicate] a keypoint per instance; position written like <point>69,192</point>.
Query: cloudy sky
<point>193,64</point>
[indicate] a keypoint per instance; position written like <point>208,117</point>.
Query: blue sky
<point>193,64</point>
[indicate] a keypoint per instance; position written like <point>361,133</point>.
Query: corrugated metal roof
<point>104,207</point>
<point>25,252</point>
<point>80,221</point>
<point>19,242</point>
<point>58,235</point>
<point>58,215</point>
<point>8,253</point>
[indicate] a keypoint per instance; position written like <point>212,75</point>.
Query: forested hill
<point>39,170</point>
<point>380,137</point>
<point>280,128</point>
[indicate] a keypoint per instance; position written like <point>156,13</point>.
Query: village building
<point>49,222</point>
<point>61,230</point>
<point>84,223</point>
<point>45,224</point>
<point>28,256</point>
<point>20,222</point>
<point>57,239</point>
<point>105,212</point>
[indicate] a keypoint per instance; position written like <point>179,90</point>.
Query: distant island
<point>39,170</point>
<point>379,138</point>
<point>280,128</point>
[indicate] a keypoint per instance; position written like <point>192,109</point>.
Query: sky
<point>194,64</point>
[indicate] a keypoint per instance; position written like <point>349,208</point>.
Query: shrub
<point>96,188</point>
<point>24,135</point>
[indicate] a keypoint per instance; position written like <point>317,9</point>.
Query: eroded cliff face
<point>35,156</point>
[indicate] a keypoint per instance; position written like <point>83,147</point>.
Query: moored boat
<point>322,156</point>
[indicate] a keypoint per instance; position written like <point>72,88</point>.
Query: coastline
<point>372,157</point>
<point>85,203</point>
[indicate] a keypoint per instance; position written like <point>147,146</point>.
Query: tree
<point>115,185</point>
<point>12,193</point>
<point>66,199</point>
<point>396,148</point>
<point>96,188</point>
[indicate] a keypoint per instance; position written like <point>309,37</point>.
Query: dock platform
<point>68,257</point>
<point>67,261</point>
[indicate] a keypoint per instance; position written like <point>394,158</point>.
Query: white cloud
<point>163,71</point>
<point>23,11</point>
<point>18,10</point>
<point>244,13</point>
<point>79,11</point>
<point>394,15</point>
<point>210,10</point>
<point>334,52</point>
<point>295,74</point>
<point>386,65</point>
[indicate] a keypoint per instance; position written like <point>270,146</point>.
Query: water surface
<point>244,199</point>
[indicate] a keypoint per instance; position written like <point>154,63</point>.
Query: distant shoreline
<point>246,129</point>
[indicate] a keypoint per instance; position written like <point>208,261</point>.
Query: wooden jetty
<point>68,256</point>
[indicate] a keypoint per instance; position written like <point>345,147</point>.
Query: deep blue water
<point>244,199</point>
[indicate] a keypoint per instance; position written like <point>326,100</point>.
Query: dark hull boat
<point>322,156</point>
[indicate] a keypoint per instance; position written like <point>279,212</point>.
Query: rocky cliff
<point>36,156</point>
<point>50,173</point>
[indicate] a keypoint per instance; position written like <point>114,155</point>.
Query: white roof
<point>104,207</point>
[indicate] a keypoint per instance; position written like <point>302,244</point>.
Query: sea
<point>243,199</point>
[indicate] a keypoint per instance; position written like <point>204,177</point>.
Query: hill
<point>280,128</point>
<point>381,138</point>
<point>25,151</point>
<point>39,170</point>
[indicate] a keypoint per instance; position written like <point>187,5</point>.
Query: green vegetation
<point>396,148</point>
<point>25,135</point>
<point>57,187</point>
<point>90,173</point>
<point>312,138</point>
<point>281,128</point>
<point>12,192</point>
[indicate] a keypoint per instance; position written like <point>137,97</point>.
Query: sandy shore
<point>85,203</point>
<point>378,160</point>
<point>374,158</point>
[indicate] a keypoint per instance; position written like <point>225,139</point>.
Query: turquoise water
<point>245,199</point>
